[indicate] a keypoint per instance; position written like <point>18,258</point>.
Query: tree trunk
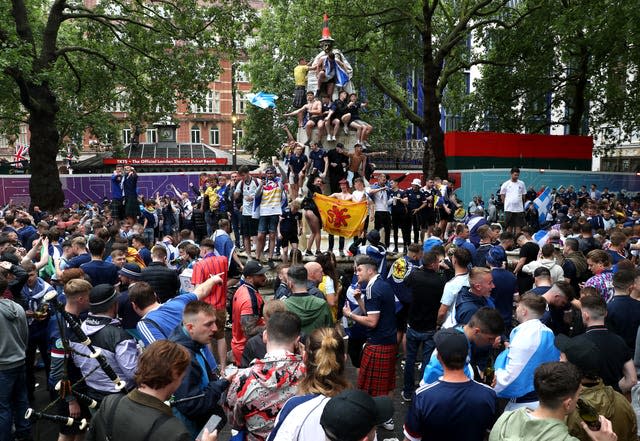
<point>434,162</point>
<point>45,188</point>
<point>579,88</point>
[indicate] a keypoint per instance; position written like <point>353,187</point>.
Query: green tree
<point>387,41</point>
<point>568,64</point>
<point>64,64</point>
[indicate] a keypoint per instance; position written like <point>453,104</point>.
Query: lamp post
<point>234,117</point>
<point>234,143</point>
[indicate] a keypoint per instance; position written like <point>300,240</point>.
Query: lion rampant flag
<point>342,218</point>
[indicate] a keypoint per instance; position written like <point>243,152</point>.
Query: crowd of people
<point>125,304</point>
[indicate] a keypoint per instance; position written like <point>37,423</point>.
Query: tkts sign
<point>164,161</point>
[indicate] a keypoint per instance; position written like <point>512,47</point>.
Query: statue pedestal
<point>347,140</point>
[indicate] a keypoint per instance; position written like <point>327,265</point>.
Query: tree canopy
<point>64,64</point>
<point>570,63</point>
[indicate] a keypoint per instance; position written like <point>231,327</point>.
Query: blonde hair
<point>325,363</point>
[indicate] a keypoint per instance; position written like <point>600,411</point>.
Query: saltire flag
<point>342,218</point>
<point>342,77</point>
<point>21,154</point>
<point>543,205</point>
<point>262,99</point>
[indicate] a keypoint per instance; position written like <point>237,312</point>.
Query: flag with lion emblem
<point>342,218</point>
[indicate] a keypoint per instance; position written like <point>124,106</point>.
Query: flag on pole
<point>262,99</point>
<point>342,218</point>
<point>543,205</point>
<point>21,154</point>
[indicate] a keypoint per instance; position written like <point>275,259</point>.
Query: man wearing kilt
<point>377,374</point>
<point>116,194</point>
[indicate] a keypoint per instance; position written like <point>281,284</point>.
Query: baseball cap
<point>417,182</point>
<point>253,268</point>
<point>373,236</point>
<point>496,256</point>
<point>583,353</point>
<point>131,270</point>
<point>350,415</point>
<point>102,294</point>
<point>451,344</point>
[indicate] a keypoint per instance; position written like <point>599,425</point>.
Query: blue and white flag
<point>543,205</point>
<point>262,99</point>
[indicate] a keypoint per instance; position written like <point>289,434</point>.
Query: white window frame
<point>127,135</point>
<point>152,136</point>
<point>195,135</point>
<point>214,135</point>
<point>211,103</point>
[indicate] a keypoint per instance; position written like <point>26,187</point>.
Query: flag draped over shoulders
<point>342,218</point>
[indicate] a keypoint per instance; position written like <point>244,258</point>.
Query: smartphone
<point>211,425</point>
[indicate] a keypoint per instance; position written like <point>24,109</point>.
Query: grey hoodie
<point>15,333</point>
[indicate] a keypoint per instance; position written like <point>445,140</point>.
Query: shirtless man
<point>312,112</point>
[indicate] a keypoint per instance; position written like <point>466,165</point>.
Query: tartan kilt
<point>299,97</point>
<point>117,209</point>
<point>377,374</point>
<point>131,206</point>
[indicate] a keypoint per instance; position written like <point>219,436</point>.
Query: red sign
<point>164,161</point>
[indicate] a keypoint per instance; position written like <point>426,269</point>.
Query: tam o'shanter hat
<point>326,33</point>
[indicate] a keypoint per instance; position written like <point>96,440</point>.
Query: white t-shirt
<point>380,199</point>
<point>247,190</point>
<point>513,192</point>
<point>449,294</point>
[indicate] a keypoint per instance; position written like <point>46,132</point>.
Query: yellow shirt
<point>327,287</point>
<point>210,193</point>
<point>300,74</point>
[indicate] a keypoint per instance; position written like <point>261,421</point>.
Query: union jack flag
<point>22,151</point>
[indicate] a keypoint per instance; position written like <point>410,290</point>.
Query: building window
<point>214,136</point>
<point>211,103</point>
<point>241,73</point>
<point>195,135</point>
<point>240,103</point>
<point>152,136</point>
<point>239,135</point>
<point>126,136</point>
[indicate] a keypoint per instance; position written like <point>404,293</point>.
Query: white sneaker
<point>388,425</point>
<point>346,130</point>
<point>328,138</point>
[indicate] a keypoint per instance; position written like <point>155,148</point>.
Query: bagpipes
<point>95,353</point>
<point>173,402</point>
<point>84,399</point>
<point>67,421</point>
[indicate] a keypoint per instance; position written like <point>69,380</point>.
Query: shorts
<point>427,218</point>
<point>444,216</point>
<point>221,320</point>
<point>402,316</point>
<point>249,226</point>
<point>268,223</point>
<point>299,97</point>
<point>377,375</point>
<point>514,219</point>
<point>315,119</point>
<point>288,237</point>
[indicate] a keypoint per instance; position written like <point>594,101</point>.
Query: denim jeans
<point>414,338</point>
<point>14,404</point>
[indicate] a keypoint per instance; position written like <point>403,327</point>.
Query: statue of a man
<point>330,66</point>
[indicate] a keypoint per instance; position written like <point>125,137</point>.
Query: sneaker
<point>318,252</point>
<point>308,253</point>
<point>271,264</point>
<point>328,138</point>
<point>346,130</point>
<point>342,253</point>
<point>395,250</point>
<point>405,398</point>
<point>388,425</point>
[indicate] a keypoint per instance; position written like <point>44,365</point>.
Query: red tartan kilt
<point>378,369</point>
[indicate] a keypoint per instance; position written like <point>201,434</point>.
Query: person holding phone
<point>143,414</point>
